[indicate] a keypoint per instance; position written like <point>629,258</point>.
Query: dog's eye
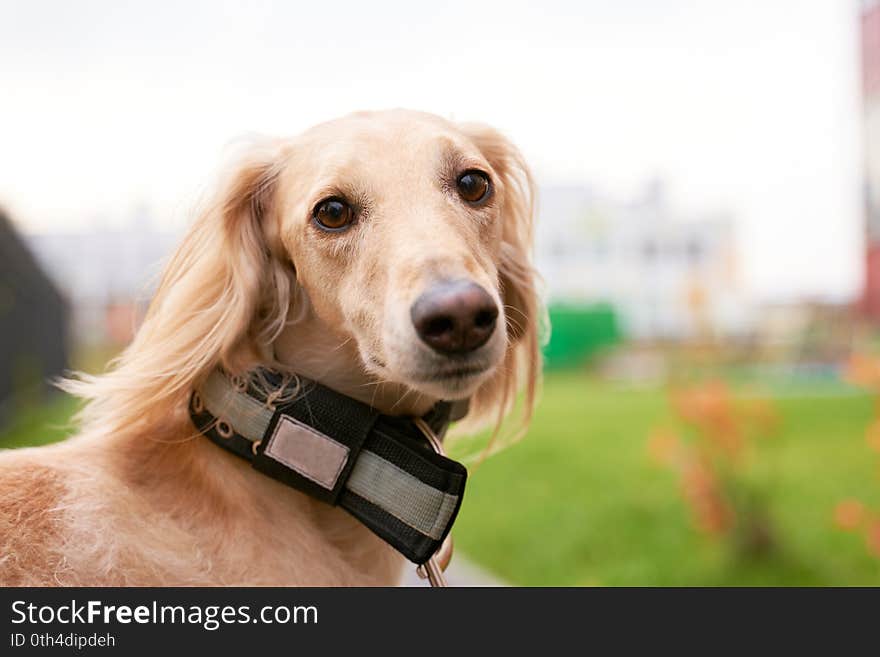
<point>333,214</point>
<point>473,186</point>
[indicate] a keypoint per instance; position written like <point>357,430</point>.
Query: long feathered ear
<point>222,299</point>
<point>517,279</point>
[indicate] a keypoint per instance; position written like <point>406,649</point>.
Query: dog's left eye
<point>473,186</point>
<point>333,214</point>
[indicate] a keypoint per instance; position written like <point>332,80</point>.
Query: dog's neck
<point>312,350</point>
<point>352,554</point>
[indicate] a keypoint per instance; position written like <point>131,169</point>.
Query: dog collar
<point>379,468</point>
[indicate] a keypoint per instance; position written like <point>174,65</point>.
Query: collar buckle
<point>433,568</point>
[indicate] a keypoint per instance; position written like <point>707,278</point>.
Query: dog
<point>385,255</point>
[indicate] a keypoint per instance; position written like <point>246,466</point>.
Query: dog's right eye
<point>333,214</point>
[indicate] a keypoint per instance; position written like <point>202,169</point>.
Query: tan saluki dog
<point>385,255</point>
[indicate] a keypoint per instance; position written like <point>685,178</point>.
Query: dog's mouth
<point>436,378</point>
<point>455,373</point>
<point>452,373</point>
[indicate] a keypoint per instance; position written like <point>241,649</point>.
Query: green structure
<point>578,332</point>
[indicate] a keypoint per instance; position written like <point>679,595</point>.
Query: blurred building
<point>813,335</point>
<point>662,276</point>
<point>870,27</point>
<point>33,322</point>
<point>666,276</point>
<point>107,274</point>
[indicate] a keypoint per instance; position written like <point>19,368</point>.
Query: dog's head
<point>408,234</point>
<point>400,232</point>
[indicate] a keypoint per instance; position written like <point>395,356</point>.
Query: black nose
<point>454,317</point>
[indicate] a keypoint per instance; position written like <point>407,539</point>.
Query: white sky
<point>750,106</point>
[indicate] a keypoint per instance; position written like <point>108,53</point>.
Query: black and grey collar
<point>379,468</point>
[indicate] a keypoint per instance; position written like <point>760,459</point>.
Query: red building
<point>870,28</point>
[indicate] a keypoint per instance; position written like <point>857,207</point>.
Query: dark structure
<point>33,324</point>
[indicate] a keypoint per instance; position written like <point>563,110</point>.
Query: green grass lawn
<point>579,502</point>
<point>40,425</point>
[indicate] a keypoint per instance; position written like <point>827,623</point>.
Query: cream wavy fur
<point>137,499</point>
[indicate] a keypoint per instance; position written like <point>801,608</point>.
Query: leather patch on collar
<point>308,452</point>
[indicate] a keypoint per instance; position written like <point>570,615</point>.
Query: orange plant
<point>710,446</point>
<point>852,514</point>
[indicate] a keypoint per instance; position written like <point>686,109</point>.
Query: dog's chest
<point>323,546</point>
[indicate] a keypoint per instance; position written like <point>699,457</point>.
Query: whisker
<point>401,398</point>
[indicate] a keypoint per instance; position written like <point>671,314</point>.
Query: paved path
<point>461,572</point>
